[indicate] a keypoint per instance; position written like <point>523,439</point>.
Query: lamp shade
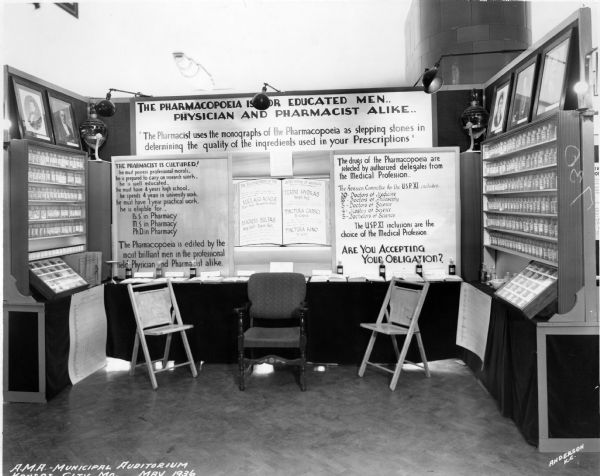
<point>93,132</point>
<point>261,101</point>
<point>106,107</point>
<point>432,81</point>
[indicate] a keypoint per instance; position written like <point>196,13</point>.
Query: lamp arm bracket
<point>136,94</point>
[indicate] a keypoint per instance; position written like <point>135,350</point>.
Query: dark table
<point>510,375</point>
<point>334,334</point>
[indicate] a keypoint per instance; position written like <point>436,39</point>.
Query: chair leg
<point>395,344</point>
<point>422,352</point>
<point>400,362</point>
<point>303,368</point>
<point>241,363</point>
<point>165,358</point>
<point>188,352</point>
<point>149,364</point>
<point>363,365</point>
<point>136,346</point>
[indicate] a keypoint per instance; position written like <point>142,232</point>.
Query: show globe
<point>93,132</point>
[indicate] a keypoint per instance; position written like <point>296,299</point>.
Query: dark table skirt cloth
<point>334,334</point>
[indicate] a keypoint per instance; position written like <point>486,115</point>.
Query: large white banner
<point>397,208</point>
<point>170,211</point>
<point>319,121</point>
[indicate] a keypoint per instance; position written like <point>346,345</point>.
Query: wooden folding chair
<point>157,314</point>
<point>399,315</point>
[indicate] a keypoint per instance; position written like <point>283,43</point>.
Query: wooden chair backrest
<point>405,302</point>
<point>153,307</point>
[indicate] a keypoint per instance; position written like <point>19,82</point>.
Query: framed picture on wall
<point>34,121</point>
<point>551,90</point>
<point>499,109</point>
<point>63,122</point>
<point>522,94</point>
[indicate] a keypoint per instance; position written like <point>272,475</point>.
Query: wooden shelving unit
<point>532,198</point>
<point>48,204</point>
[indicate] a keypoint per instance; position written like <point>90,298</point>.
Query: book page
<point>304,211</point>
<point>260,212</point>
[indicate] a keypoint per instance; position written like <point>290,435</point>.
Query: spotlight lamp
<point>432,80</point>
<point>107,108</point>
<point>261,101</point>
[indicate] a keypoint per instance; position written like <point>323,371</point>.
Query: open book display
<point>283,212</point>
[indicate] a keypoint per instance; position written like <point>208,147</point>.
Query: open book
<point>283,212</point>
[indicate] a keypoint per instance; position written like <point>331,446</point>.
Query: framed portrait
<point>522,94</point>
<point>63,122</point>
<point>553,74</point>
<point>34,121</point>
<point>499,109</point>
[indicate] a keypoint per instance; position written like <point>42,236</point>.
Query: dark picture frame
<point>499,108</point>
<point>34,121</point>
<point>64,125</point>
<point>521,100</point>
<point>554,69</point>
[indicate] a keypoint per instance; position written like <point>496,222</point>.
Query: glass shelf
<point>526,214</point>
<point>522,192</point>
<point>519,150</point>
<point>523,171</point>
<point>534,236</point>
<point>523,255</point>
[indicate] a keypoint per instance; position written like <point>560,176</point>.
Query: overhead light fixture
<point>189,68</point>
<point>107,108</point>
<point>261,101</point>
<point>432,81</point>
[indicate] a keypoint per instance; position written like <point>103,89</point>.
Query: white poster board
<point>326,120</point>
<point>473,320</point>
<point>399,208</point>
<point>87,333</point>
<point>170,210</point>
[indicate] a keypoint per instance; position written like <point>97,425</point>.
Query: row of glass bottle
<point>538,249</point>
<point>48,212</point>
<point>63,177</point>
<point>539,158</point>
<point>538,226</point>
<point>536,135</point>
<point>55,159</point>
<point>543,181</point>
<point>541,204</point>
<point>45,230</point>
<point>53,193</point>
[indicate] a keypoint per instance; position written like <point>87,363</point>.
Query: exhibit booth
<point>349,188</point>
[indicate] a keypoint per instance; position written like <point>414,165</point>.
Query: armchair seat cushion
<point>272,337</point>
